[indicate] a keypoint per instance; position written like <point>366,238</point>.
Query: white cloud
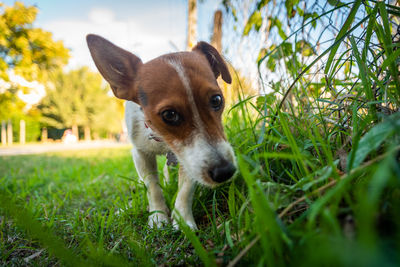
<point>101,15</point>
<point>36,89</point>
<point>145,36</point>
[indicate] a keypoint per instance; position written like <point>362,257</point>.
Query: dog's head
<point>181,102</point>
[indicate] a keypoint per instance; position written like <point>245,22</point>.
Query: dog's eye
<point>171,117</point>
<point>216,102</point>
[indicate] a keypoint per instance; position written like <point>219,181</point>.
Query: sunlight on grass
<point>318,159</point>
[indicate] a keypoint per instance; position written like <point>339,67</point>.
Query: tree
<point>28,52</point>
<point>24,49</point>
<point>192,24</point>
<point>80,98</point>
<point>216,39</point>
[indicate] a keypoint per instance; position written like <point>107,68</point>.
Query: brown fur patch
<point>164,90</point>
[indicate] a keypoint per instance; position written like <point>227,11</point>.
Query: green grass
<point>92,202</point>
<point>87,207</point>
<point>319,180</point>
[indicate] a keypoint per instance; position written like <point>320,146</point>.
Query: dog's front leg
<point>146,167</point>
<point>184,201</point>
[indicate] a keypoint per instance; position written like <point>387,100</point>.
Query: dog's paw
<point>192,225</point>
<point>158,220</point>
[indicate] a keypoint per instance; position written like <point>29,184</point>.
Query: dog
<point>174,104</point>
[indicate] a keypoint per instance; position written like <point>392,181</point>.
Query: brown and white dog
<point>174,104</point>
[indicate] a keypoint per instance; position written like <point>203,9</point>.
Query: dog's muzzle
<point>222,172</point>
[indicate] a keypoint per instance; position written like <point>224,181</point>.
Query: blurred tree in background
<point>27,51</point>
<point>79,98</point>
<point>74,99</point>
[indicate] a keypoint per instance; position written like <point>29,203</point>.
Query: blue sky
<point>147,28</point>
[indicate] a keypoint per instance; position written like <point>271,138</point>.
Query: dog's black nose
<point>222,172</point>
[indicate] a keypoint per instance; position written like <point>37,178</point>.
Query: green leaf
<point>284,50</point>
<point>305,48</point>
<point>390,59</point>
<point>313,16</point>
<point>271,63</point>
<point>334,2</point>
<point>290,4</point>
<point>300,11</point>
<point>275,22</point>
<point>262,3</point>
<point>268,99</point>
<point>375,137</point>
<point>255,21</point>
<point>313,22</point>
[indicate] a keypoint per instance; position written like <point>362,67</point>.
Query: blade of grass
<point>309,67</point>
<point>342,33</point>
<point>24,219</point>
<point>266,219</point>
<point>370,27</point>
<point>207,258</point>
<point>363,72</point>
<point>388,45</point>
<point>293,145</point>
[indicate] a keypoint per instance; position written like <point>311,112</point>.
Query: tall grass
<point>321,167</point>
<point>319,180</point>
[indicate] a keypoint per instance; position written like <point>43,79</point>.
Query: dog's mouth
<point>151,134</point>
<point>210,164</point>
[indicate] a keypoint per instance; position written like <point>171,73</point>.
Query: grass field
<point>318,181</point>
<point>88,208</point>
<point>91,202</point>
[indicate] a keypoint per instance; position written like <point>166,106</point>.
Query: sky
<point>155,27</point>
<point>146,28</point>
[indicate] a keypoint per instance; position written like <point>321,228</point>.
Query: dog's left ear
<point>215,60</point>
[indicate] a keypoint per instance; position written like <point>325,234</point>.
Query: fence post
<point>87,133</point>
<point>75,131</point>
<point>9,133</point>
<point>22,132</point>
<point>3,133</point>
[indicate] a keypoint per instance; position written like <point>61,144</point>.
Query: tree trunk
<point>22,132</point>
<point>44,134</point>
<point>192,24</point>
<point>216,40</point>
<point>75,131</point>
<point>3,133</point>
<point>87,133</point>
<point>9,133</point>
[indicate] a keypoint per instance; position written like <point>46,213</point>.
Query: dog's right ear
<point>118,66</point>
<point>217,63</point>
